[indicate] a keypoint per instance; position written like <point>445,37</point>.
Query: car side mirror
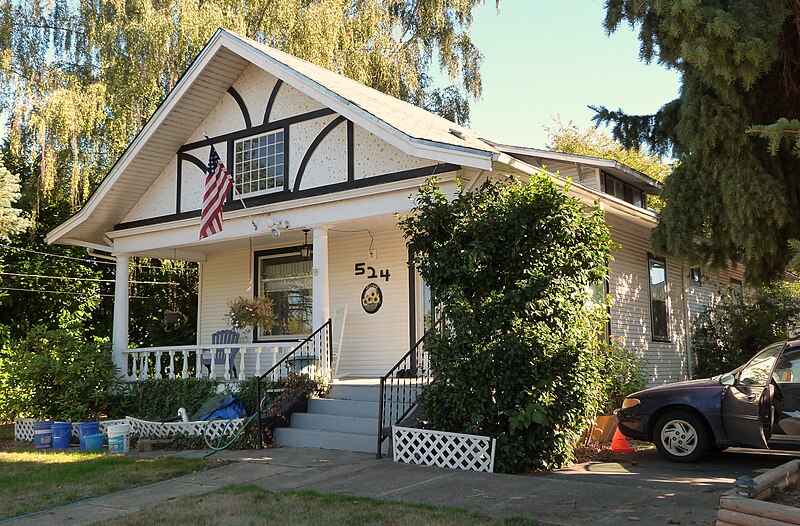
<point>728,380</point>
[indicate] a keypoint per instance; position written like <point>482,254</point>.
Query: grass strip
<point>32,481</point>
<point>248,504</point>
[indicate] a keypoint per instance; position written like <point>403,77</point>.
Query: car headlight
<point>630,402</point>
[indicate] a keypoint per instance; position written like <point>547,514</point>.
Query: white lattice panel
<point>443,449</point>
<point>23,428</point>
<point>215,428</point>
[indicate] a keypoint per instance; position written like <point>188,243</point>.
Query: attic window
<point>623,190</point>
<point>258,164</point>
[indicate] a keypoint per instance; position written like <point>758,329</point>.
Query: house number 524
<point>362,268</point>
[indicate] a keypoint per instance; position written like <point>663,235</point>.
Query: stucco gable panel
<point>374,156</point>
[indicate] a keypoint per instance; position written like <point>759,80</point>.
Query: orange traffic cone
<point>619,444</point>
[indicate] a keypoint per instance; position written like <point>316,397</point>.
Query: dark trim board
<point>195,161</point>
<point>178,183</point>
<point>242,107</point>
<point>298,179</point>
<point>271,101</point>
<point>351,148</point>
<point>179,186</point>
<point>310,192</point>
<point>255,130</point>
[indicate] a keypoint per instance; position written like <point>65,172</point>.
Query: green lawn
<point>245,504</point>
<point>34,481</point>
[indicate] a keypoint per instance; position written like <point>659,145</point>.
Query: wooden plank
<point>760,508</point>
<point>743,519</point>
<point>776,475</point>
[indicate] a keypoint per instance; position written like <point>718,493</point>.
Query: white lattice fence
<point>443,449</point>
<point>23,428</point>
<point>213,429</point>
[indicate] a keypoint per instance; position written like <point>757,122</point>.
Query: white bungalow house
<point>322,165</point>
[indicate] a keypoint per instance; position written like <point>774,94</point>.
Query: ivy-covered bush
<point>729,333</point>
<point>56,374</point>
<point>623,373</point>
<point>519,358</point>
<point>159,399</point>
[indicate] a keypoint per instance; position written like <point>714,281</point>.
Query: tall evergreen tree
<point>730,198</point>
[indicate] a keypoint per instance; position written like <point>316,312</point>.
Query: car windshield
<point>757,371</point>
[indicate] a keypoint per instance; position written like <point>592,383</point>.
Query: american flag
<point>218,184</point>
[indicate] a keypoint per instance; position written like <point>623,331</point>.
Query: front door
<point>746,406</point>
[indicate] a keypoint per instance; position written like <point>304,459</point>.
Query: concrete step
<point>329,406</point>
<point>364,393</point>
<point>292,437</point>
<point>341,424</point>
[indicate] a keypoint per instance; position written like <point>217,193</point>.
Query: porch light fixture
<point>305,250</point>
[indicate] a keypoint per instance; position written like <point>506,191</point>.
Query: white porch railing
<point>184,361</point>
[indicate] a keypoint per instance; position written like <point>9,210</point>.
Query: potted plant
<point>249,313</point>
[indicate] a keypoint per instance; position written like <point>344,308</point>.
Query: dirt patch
<point>787,496</point>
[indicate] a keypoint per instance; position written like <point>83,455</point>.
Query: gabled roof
<point>539,157</point>
<point>413,130</point>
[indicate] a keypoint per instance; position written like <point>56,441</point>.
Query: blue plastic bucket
<point>87,428</point>
<point>62,435</point>
<point>93,442</point>
<point>42,435</point>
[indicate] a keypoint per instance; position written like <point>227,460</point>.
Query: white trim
<point>285,206</point>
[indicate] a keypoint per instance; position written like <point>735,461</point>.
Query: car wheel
<point>681,436</point>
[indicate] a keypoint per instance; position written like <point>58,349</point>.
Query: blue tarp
<point>222,406</point>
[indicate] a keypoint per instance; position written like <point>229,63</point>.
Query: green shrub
<point>729,333</point>
<point>160,399</point>
<point>56,375</point>
<point>511,264</point>
<point>623,373</point>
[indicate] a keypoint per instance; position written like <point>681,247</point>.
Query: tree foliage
<point>510,264</point>
<point>11,219</point>
<point>727,334</point>
<point>56,375</point>
<point>729,198</point>
<point>80,79</point>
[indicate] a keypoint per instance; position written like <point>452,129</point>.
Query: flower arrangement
<point>249,313</point>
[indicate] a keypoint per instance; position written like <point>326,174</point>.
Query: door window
<point>758,370</point>
<point>287,281</point>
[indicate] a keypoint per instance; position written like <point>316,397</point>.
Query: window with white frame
<point>286,279</point>
<point>659,302</point>
<point>259,164</point>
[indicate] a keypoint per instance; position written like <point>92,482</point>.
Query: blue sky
<point>547,58</point>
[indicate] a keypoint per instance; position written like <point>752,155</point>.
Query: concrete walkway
<point>563,498</point>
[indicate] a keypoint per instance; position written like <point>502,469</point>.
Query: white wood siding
<point>225,276</point>
<point>372,343</point>
<point>630,312</point>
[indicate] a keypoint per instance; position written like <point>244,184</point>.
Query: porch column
<point>321,294</point>
<point>119,338</point>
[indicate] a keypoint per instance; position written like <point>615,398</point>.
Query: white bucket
<point>118,438</point>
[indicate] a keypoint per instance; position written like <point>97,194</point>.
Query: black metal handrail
<point>323,333</point>
<point>397,394</point>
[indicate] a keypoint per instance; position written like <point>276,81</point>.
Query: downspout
<point>686,332</point>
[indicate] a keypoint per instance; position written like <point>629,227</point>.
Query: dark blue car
<point>756,405</point>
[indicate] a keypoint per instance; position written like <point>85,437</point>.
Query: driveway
<point>651,490</point>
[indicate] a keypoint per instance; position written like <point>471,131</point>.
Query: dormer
<point>604,175</point>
